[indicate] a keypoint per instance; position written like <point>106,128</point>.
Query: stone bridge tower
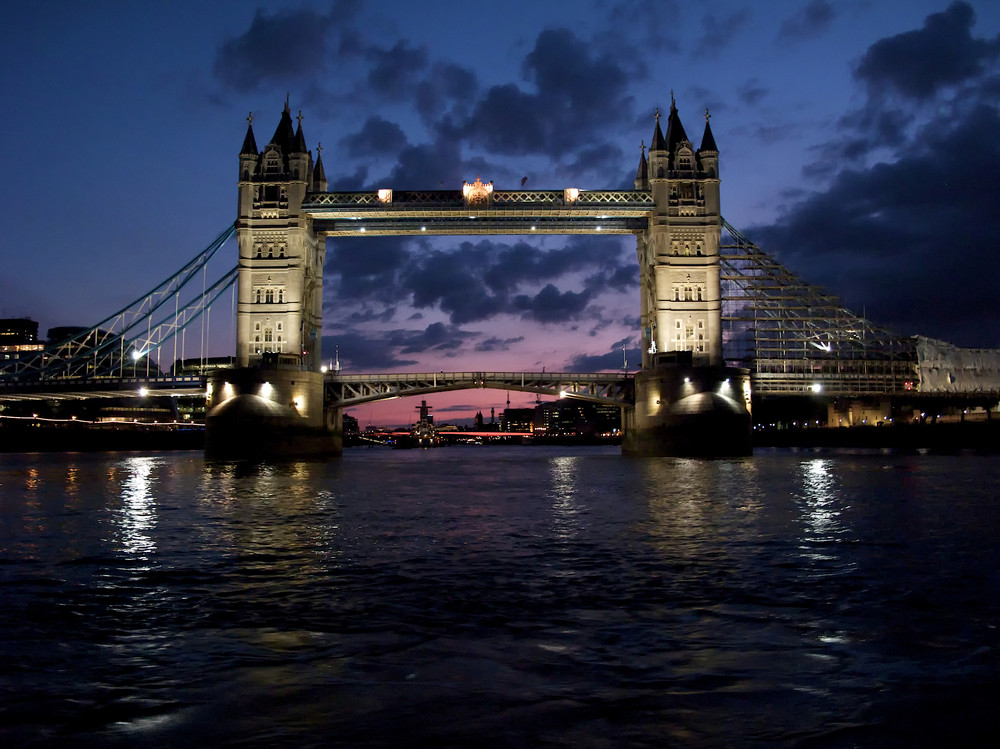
<point>280,286</point>
<point>680,296</point>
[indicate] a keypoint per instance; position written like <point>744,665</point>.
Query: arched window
<point>258,296</point>
<point>687,293</point>
<point>699,294</point>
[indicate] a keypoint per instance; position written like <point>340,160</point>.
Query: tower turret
<point>642,173</point>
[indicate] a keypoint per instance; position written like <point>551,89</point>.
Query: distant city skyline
<point>857,146</point>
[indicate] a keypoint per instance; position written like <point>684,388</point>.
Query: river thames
<point>500,597</point>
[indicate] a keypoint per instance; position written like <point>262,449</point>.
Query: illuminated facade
<point>280,287</point>
<point>679,252</point>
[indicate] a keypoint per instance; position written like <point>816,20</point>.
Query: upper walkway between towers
<point>482,211</point>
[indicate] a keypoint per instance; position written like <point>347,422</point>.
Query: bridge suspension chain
<point>102,348</point>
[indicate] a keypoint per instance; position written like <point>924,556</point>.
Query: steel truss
<point>796,339</point>
<point>353,390</point>
<point>116,345</point>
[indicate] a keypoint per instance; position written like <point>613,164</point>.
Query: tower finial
<point>300,117</point>
<point>642,148</point>
<point>657,115</point>
<point>673,105</point>
<point>250,118</point>
<point>707,115</point>
<point>319,148</point>
<point>287,97</point>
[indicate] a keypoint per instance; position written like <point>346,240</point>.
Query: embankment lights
<point>143,392</point>
<point>136,355</point>
<point>816,387</point>
<point>265,390</point>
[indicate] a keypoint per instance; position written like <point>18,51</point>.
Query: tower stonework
<point>687,402</point>
<point>272,405</point>
<point>680,294</point>
<point>280,286</point>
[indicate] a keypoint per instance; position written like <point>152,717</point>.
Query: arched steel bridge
<point>353,390</point>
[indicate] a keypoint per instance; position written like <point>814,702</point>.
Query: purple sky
<point>858,145</point>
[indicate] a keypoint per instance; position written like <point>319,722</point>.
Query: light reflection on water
<point>514,597</point>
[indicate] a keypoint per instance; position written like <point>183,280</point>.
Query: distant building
<point>569,416</point>
<point>18,338</point>
<point>517,419</point>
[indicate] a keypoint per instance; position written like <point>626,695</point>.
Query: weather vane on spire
<point>707,115</point>
<point>250,118</point>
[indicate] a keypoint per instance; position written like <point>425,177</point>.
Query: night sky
<point>859,146</point>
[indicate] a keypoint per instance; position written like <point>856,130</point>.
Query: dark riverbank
<point>83,438</point>
<point>939,438</point>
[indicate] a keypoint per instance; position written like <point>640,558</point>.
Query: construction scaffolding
<point>796,339</point>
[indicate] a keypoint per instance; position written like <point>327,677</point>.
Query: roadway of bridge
<point>446,212</point>
<point>613,388</point>
<point>100,387</point>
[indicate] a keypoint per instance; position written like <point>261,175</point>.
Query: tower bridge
<point>714,309</point>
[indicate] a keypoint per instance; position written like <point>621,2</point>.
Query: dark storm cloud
<point>498,344</point>
<point>612,360</point>
<point>479,280</point>
<point>276,48</point>
<point>719,29</point>
<point>812,20</point>
<point>578,92</point>
<point>364,268</point>
<point>907,237</point>
<point>912,241</point>
<point>395,70</point>
<point>448,86</point>
<point>552,305</point>
<point>362,352</point>
<point>752,92</point>
<point>375,138</point>
<point>916,64</point>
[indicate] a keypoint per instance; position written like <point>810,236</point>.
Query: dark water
<point>507,597</point>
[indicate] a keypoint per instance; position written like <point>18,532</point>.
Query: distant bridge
<point>353,390</point>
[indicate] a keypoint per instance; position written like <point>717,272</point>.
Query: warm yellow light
<point>570,194</point>
<point>385,195</point>
<point>265,390</point>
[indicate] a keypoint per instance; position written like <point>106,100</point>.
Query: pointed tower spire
<point>658,143</point>
<point>642,173</point>
<point>707,140</point>
<point>675,130</point>
<point>299,143</point>
<point>284,135</point>
<point>249,142</point>
<point>319,174</point>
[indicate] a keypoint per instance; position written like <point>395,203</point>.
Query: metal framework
<point>796,339</point>
<point>353,390</point>
<point>448,212</point>
<point>116,345</point>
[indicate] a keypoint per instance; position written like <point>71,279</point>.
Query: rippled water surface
<point>507,597</point>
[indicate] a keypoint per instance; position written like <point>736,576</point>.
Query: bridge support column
<point>683,410</point>
<point>269,412</point>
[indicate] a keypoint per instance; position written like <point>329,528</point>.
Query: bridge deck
<point>350,390</point>
<point>506,212</point>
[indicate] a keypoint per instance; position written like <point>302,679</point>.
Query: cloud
<point>917,64</point>
<point>897,239</point>
<point>275,49</point>
<point>498,344</point>
<point>719,29</point>
<point>375,138</point>
<point>578,92</point>
<point>612,360</point>
<point>552,305</point>
<point>812,20</point>
<point>751,92</point>
<point>395,70</point>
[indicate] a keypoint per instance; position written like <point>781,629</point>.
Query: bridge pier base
<point>269,412</point>
<point>685,410</point>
